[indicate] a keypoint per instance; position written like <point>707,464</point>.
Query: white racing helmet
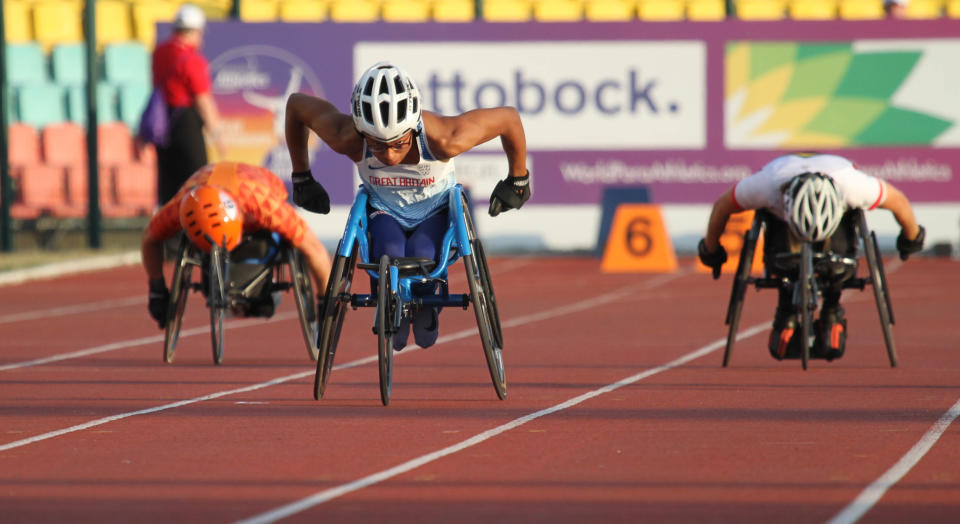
<point>813,206</point>
<point>385,102</point>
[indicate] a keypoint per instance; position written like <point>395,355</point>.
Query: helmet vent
<point>367,112</point>
<point>383,89</point>
<point>368,88</point>
<point>402,110</point>
<point>398,85</point>
<point>384,111</point>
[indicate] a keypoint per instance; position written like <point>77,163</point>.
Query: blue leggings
<point>423,241</point>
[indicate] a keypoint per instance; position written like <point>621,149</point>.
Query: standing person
<point>806,197</point>
<point>405,157</point>
<point>183,76</point>
<point>895,8</point>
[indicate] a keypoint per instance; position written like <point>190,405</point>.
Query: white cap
<point>189,16</point>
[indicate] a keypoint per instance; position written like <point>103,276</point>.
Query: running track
<point>618,410</point>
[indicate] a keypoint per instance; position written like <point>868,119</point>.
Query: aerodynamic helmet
<point>813,206</point>
<point>210,213</point>
<point>385,103</point>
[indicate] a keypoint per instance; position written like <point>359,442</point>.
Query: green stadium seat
<point>406,11</point>
<point>68,63</point>
<point>57,22</point>
<point>454,10</point>
<point>558,10</point>
<point>133,99</point>
<point>16,21</point>
<point>355,11</point>
<point>25,64</point>
<point>126,63</point>
<point>39,105</point>
<point>303,10</point>
<point>106,103</point>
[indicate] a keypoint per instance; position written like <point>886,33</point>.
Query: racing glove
<point>908,247</point>
<point>159,301</point>
<point>713,260</point>
<point>310,194</point>
<point>510,193</point>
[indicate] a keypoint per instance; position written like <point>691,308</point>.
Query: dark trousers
<point>184,155</point>
<point>387,237</point>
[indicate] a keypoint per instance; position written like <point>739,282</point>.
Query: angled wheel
<point>387,304</point>
<point>805,295</point>
<point>481,307</point>
<point>881,295</point>
<point>304,297</point>
<point>179,288</point>
<point>487,282</point>
<point>335,307</point>
<point>740,281</point>
<point>217,296</point>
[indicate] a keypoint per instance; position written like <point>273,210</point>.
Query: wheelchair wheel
<point>306,303</point>
<point>881,295</point>
<point>740,281</point>
<point>335,308</point>
<point>179,288</point>
<point>387,303</point>
<point>481,306</point>
<point>217,296</point>
<point>481,257</point>
<point>806,296</point>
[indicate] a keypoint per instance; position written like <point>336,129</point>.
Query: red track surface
<point>758,441</point>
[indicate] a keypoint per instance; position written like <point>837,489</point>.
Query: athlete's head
<point>385,103</point>
<point>813,206</point>
<point>210,213</point>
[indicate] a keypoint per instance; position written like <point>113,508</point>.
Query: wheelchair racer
<point>805,197</point>
<point>405,157</point>
<point>223,201</point>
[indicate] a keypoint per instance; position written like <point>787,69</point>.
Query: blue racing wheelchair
<point>244,282</point>
<point>394,299</point>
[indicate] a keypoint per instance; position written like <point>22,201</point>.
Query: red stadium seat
<point>64,145</point>
<point>41,191</point>
<point>136,188</point>
<point>114,144</point>
<point>24,146</point>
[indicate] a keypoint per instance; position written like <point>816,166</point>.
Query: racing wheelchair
<point>243,282</point>
<point>813,269</point>
<point>394,299</point>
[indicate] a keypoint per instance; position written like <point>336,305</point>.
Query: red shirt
<point>181,71</point>
<point>260,195</point>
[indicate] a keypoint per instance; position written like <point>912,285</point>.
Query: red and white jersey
<point>764,189</point>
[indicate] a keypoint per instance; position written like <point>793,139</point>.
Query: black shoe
<point>831,333</point>
<point>784,341</point>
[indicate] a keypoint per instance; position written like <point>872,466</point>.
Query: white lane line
<point>563,310</point>
<point>72,310</point>
<point>872,494</point>
<point>153,339</point>
<point>343,489</point>
<point>69,267</point>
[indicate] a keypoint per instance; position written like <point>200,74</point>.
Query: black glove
<point>159,301</point>
<point>713,260</point>
<point>310,194</point>
<point>510,193</point>
<point>907,247</point>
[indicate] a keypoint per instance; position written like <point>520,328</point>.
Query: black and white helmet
<point>385,103</point>
<point>813,206</point>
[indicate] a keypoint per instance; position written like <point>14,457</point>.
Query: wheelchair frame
<point>223,295</point>
<point>394,297</point>
<point>807,286</point>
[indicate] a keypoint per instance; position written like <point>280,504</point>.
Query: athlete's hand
<point>510,193</point>
<point>159,301</point>
<point>310,194</point>
<point>908,247</point>
<point>712,260</point>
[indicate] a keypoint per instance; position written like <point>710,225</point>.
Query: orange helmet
<point>208,212</point>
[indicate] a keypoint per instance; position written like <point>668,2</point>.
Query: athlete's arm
<point>898,204</point>
<point>453,135</point>
<point>151,253</point>
<point>333,127</point>
<point>722,209</point>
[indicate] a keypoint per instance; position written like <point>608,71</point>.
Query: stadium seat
<point>405,11</point>
<point>761,9</point>
<point>114,22</point>
<point>68,63</point>
<point>136,188</point>
<point>23,147</point>
<point>355,11</point>
<point>609,10</point>
<point>78,193</point>
<point>924,9</point>
<point>41,190</point>
<point>132,100</point>
<point>303,10</point>
<point>661,10</point>
<point>953,8</point>
<point>64,145</point>
<point>861,10</point>
<point>41,104</point>
<point>558,10</point>
<point>57,22</point>
<point>114,144</point>
<point>145,18</point>
<point>127,63</point>
<point>25,64</point>
<point>106,103</point>
<point>16,21</point>
<point>259,10</point>
<point>812,9</point>
<point>706,10</point>
<point>507,10</point>
<point>454,10</point>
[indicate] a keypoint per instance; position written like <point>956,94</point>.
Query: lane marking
<point>70,267</point>
<point>563,310</point>
<point>87,307</point>
<point>875,491</point>
<point>343,489</point>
